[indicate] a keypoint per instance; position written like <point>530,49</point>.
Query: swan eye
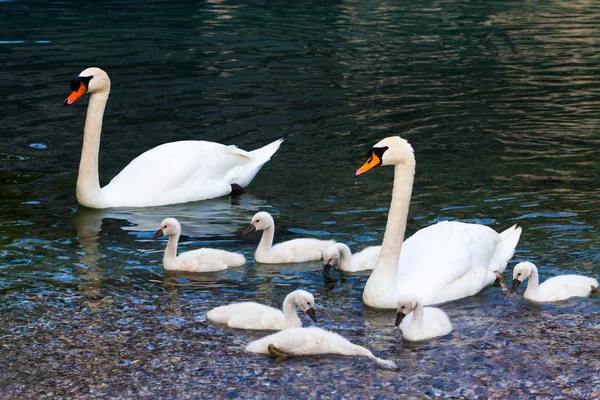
<point>165,227</point>
<point>519,274</point>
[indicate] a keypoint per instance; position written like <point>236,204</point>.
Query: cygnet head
<point>406,304</point>
<point>306,302</point>
<point>92,80</point>
<point>262,220</point>
<point>169,227</point>
<point>331,258</point>
<point>392,150</point>
<point>522,271</point>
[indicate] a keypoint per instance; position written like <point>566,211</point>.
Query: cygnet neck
<point>289,310</point>
<point>345,256</point>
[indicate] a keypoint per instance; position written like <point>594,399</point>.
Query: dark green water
<point>500,100</point>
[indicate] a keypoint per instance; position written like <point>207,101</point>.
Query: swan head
<point>169,227</point>
<point>306,302</point>
<point>392,150</point>
<point>262,220</point>
<point>406,304</point>
<point>522,271</point>
<point>331,258</point>
<point>91,80</point>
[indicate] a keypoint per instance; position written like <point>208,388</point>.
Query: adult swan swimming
<point>443,262</point>
<point>171,173</point>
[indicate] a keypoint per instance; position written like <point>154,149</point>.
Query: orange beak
<point>76,94</point>
<point>372,162</point>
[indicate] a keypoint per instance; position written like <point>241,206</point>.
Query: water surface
<point>499,100</point>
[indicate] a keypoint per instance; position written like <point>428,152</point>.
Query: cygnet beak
<point>399,317</point>
<point>158,234</point>
<point>515,284</point>
<point>311,314</point>
<point>249,229</point>
<point>326,268</point>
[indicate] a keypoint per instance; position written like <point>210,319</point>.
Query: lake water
<point>500,100</point>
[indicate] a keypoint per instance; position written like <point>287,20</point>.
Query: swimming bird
<point>311,341</point>
<point>201,260</point>
<point>176,172</point>
<point>340,257</point>
<point>250,315</point>
<point>443,262</point>
<point>552,289</point>
<point>292,251</point>
<point>420,323</point>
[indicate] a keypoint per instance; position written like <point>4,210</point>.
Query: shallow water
<point>499,100</point>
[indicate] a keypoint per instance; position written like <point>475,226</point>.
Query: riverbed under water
<point>499,100</point>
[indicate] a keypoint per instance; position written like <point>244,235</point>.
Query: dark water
<point>499,99</point>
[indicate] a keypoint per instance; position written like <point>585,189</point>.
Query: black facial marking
<point>75,83</point>
<point>378,151</point>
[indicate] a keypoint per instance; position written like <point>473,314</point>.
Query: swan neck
<point>397,218</point>
<point>171,250</point>
<point>289,310</point>
<point>266,241</point>
<point>345,256</point>
<point>88,182</point>
<point>417,319</point>
<point>381,288</point>
<point>533,284</point>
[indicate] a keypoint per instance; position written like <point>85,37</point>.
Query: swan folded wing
<point>174,165</point>
<point>565,286</point>
<point>300,250</point>
<point>366,258</point>
<point>248,315</point>
<point>443,254</point>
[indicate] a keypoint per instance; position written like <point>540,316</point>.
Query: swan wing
<point>565,286</point>
<point>366,259</point>
<point>445,254</point>
<point>300,250</point>
<point>184,171</point>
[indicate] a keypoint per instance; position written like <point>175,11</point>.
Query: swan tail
<point>264,153</point>
<point>506,248</point>
<point>236,260</point>
<point>243,174</point>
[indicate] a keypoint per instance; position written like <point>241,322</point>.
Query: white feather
<point>340,257</point>
<point>292,251</point>
<point>552,289</point>
<point>176,172</point>
<point>440,263</point>
<point>313,341</point>
<point>421,323</point>
<point>250,315</point>
<point>201,260</point>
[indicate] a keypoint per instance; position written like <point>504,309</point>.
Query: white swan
<point>176,172</point>
<point>340,257</point>
<point>552,289</point>
<point>440,263</point>
<point>292,251</point>
<point>201,260</point>
<point>250,315</point>
<point>311,341</point>
<point>420,323</point>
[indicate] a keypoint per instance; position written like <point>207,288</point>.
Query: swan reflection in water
<point>212,221</point>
